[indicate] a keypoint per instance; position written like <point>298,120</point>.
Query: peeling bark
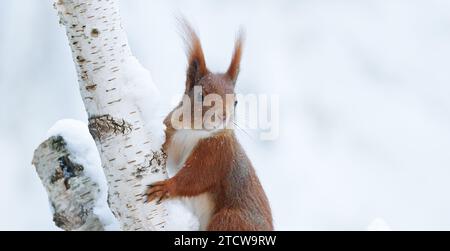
<point>100,48</point>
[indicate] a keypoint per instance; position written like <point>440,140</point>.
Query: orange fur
<point>217,164</point>
<point>196,59</point>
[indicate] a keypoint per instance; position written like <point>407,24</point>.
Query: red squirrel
<point>214,172</point>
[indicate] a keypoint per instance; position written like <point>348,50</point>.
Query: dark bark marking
<point>58,144</point>
<point>103,126</point>
<point>91,88</point>
<point>61,221</point>
<point>95,33</point>
<point>66,170</point>
<point>81,60</point>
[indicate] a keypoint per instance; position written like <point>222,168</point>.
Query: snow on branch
<point>70,169</point>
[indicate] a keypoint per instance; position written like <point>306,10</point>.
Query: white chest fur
<point>182,144</point>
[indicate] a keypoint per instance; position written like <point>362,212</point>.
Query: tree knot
<point>103,126</point>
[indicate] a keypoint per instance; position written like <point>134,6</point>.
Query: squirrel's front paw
<point>159,190</point>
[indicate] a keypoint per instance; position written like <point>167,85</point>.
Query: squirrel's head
<point>211,96</point>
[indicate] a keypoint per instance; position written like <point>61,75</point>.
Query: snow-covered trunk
<point>129,150</point>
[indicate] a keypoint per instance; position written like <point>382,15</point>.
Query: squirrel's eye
<point>236,103</point>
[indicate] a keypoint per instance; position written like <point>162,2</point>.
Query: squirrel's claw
<point>158,190</point>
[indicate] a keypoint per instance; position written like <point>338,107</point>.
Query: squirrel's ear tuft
<point>233,70</point>
<point>196,60</point>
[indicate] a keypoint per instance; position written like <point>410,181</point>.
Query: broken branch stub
<point>72,194</point>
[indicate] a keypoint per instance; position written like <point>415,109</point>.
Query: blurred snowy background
<point>364,87</point>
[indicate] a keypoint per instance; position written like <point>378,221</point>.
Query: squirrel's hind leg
<point>230,220</point>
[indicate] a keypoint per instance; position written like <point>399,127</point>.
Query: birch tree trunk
<point>128,149</point>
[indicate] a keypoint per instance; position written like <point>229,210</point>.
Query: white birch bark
<point>72,194</point>
<point>127,148</point>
